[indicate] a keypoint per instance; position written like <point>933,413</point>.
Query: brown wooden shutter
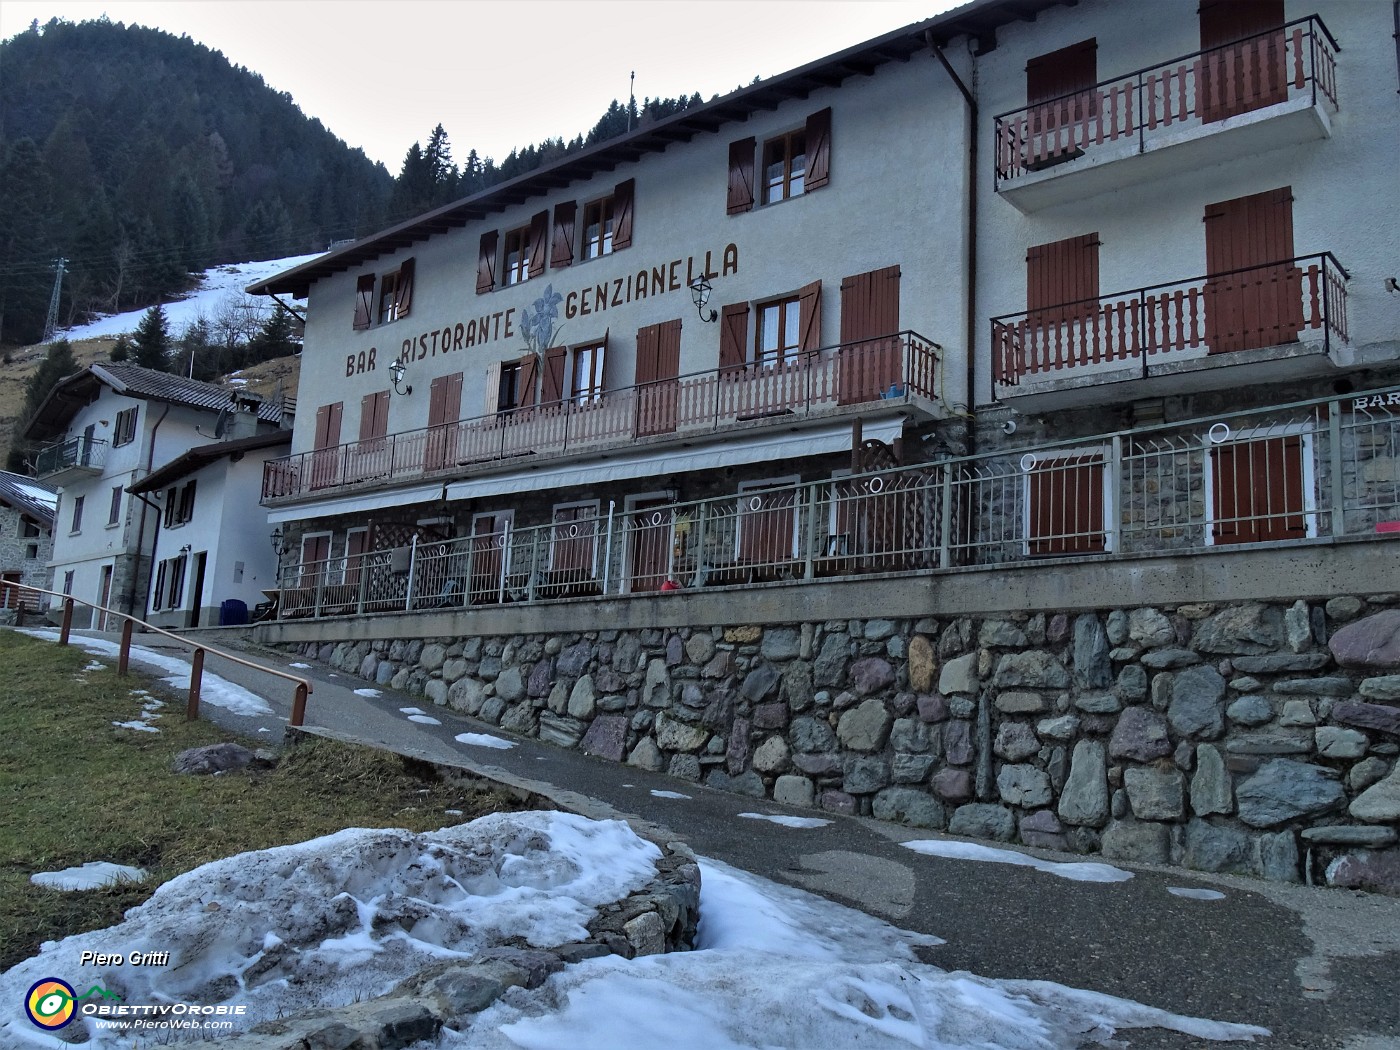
<point>539,242</point>
<point>328,425</point>
<point>1070,69</point>
<point>486,262</point>
<point>1257,490</point>
<point>818,151</point>
<point>1060,273</point>
<point>1251,74</point>
<point>374,416</point>
<point>1066,506</point>
<point>741,156</point>
<point>868,366</point>
<point>623,195</point>
<point>445,399</point>
<point>658,360</point>
<point>529,371</point>
<point>364,300</point>
<point>1250,303</point>
<point>733,337</point>
<point>403,290</point>
<point>553,390</point>
<point>809,305</point>
<point>562,249</point>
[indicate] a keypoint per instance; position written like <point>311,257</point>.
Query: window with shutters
<point>510,390</point>
<point>784,165</point>
<point>179,505</point>
<point>1260,488</point>
<point>598,228</point>
<point>395,296</point>
<point>586,378</point>
<point>1244,63</point>
<point>176,576</point>
<point>1059,87</point>
<point>779,331</point>
<point>114,512</point>
<point>792,164</point>
<point>124,433</point>
<point>1062,280</point>
<point>517,268</point>
<point>1066,504</point>
<point>77,523</point>
<point>158,591</point>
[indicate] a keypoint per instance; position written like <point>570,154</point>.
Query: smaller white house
<point>26,539</point>
<point>213,560</point>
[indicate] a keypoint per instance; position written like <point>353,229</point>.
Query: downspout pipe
<point>141,528</point>
<point>1396,13</point>
<point>971,320</point>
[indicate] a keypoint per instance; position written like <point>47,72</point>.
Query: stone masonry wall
<point>1251,737</point>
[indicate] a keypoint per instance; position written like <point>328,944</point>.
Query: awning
<point>663,462</point>
<point>355,504</point>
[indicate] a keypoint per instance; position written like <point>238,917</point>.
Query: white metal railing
<point>1314,470</point>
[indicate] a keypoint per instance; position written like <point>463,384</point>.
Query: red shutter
<point>1257,490</point>
<point>1060,273</point>
<point>364,300</point>
<point>562,250</point>
<point>818,151</point>
<point>741,155</point>
<point>733,337</point>
<point>374,416</point>
<point>553,390</point>
<point>1066,506</point>
<point>486,262</point>
<point>809,304</point>
<point>1250,74</point>
<point>868,366</point>
<point>326,458</point>
<point>539,240</point>
<point>1250,303</point>
<point>658,359</point>
<point>529,369</point>
<point>623,195</point>
<point>444,407</point>
<point>403,291</point>
<point>1070,69</point>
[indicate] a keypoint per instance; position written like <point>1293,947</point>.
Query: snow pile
<point>216,287</point>
<point>90,876</point>
<point>787,821</point>
<point>349,915</point>
<point>782,968</point>
<point>483,740</point>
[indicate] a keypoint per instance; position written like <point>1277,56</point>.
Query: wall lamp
<point>279,542</point>
<point>396,372</point>
<point>700,296</point>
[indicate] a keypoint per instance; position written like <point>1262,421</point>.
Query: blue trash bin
<point>233,613</point>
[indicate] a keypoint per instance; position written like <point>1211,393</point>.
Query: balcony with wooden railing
<point>899,369</point>
<point>1266,91</point>
<point>1266,317</point>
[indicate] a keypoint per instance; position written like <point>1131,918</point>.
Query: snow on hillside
<point>215,287</point>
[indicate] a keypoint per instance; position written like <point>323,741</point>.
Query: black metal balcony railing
<point>79,453</point>
<point>894,367</point>
<point>1293,61</point>
<point>1260,306</point>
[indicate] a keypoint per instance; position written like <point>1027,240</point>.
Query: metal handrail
<point>303,685</point>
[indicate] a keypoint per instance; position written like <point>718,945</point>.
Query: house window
<point>125,431</point>
<point>1261,489</point>
<point>517,255</point>
<point>587,381</point>
<point>29,529</point>
<point>598,228</point>
<point>396,293</point>
<point>31,551</point>
<point>784,166</point>
<point>187,502</point>
<point>778,335</point>
<point>1066,504</point>
<point>158,590</point>
<point>115,512</point>
<point>77,524</point>
<point>179,505</point>
<point>510,389</point>
<point>68,583</point>
<point>177,582</point>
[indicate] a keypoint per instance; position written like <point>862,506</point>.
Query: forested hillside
<point>140,156</point>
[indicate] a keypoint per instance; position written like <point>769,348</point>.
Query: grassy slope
<point>74,788</point>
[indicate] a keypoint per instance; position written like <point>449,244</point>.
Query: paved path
<point>1319,967</point>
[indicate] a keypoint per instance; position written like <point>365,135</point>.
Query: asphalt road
<point>1318,967</point>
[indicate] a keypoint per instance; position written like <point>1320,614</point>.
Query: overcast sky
<point>496,73</point>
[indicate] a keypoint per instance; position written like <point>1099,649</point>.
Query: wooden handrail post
<point>299,705</point>
<point>196,679</point>
<point>67,628</point>
<point>124,655</point>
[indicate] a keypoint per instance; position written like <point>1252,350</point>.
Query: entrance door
<point>104,596</point>
<point>1254,295</point>
<point>1243,67</point>
<point>648,543</point>
<point>198,590</point>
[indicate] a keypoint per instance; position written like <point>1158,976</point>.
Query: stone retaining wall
<point>1258,738</point>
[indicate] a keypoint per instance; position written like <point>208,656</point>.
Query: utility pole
<point>51,322</point>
